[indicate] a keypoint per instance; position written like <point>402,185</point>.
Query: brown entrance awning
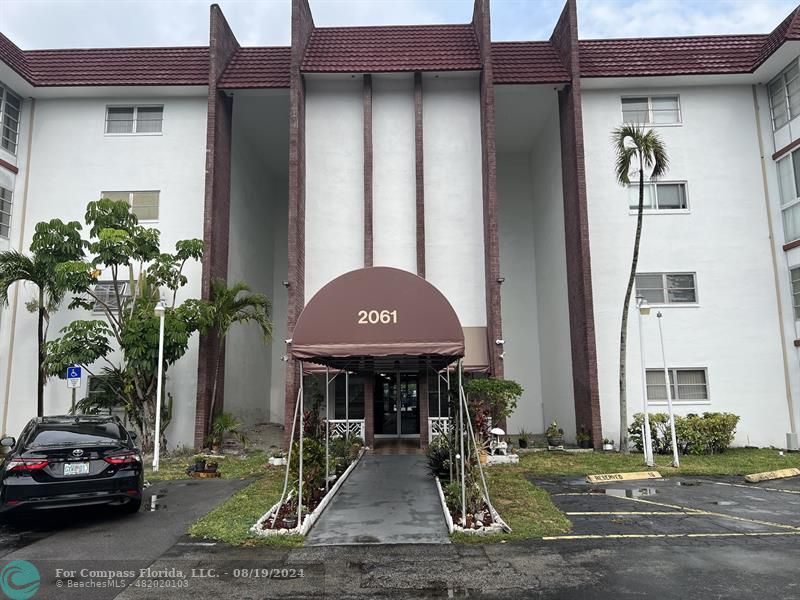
<point>375,318</point>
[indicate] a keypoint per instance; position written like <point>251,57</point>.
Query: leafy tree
<point>229,306</point>
<point>130,253</point>
<point>54,242</point>
<point>499,396</point>
<point>634,148</point>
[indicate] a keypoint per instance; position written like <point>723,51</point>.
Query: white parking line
<point>611,536</point>
<point>660,513</point>
<point>754,487</point>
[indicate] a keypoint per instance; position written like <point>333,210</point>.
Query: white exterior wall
<point>454,254</point>
<point>72,162</point>
<point>558,399</point>
<point>518,267</point>
<point>334,222</point>
<point>394,172</point>
<point>785,260</point>
<point>733,331</point>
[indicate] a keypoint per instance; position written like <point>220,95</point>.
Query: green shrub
<point>711,433</point>
<point>498,395</point>
<point>313,469</point>
<point>438,454</point>
<point>452,496</point>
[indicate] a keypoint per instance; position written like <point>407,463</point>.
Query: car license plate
<point>76,468</point>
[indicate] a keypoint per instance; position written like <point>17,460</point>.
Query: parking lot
<point>685,507</point>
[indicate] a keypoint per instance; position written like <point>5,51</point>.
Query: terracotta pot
<point>483,457</point>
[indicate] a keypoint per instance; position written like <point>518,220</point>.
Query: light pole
<point>647,443</point>
<point>675,460</point>
<point>160,310</point>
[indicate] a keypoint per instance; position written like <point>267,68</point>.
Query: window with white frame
<point>10,106</point>
<point>651,110</point>
<point>5,212</point>
<point>134,119</point>
<point>143,204</point>
<point>784,95</point>
<point>659,195</point>
<point>667,288</point>
<point>108,297</point>
<point>688,385</point>
<point>795,272</point>
<point>789,185</point>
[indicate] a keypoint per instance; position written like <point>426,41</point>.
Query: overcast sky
<point>96,23</point>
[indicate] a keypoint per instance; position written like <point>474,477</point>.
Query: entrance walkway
<point>388,499</point>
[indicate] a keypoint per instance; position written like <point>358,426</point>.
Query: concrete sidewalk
<point>386,500</point>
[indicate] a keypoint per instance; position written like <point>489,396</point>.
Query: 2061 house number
<point>373,317</point>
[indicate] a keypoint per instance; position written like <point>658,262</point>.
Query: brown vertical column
<point>369,409</point>
<point>302,28</point>
<point>481,22</point>
<point>216,215</point>
<point>424,409</point>
<point>420,174</point>
<point>576,228</point>
<point>368,170</point>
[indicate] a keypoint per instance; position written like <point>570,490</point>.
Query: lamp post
<point>647,443</point>
<point>675,460</point>
<point>160,310</point>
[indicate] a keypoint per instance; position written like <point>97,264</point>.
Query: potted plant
<point>212,466</point>
<point>554,435</point>
<point>225,424</point>
<point>523,438</point>
<point>608,444</point>
<point>584,438</point>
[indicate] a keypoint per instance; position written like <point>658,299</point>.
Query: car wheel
<point>132,506</point>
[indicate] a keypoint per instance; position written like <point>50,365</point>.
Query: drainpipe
<point>15,303</point>
<point>776,273</point>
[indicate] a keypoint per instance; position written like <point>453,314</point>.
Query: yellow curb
<point>768,475</point>
<point>606,477</point>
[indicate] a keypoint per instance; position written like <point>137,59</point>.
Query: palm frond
<point>630,141</point>
<point>16,267</point>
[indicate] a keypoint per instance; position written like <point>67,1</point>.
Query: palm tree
<point>634,147</point>
<point>54,242</point>
<point>231,305</point>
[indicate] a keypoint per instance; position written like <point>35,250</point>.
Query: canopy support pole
<point>288,461</point>
<point>461,430</point>
<point>450,425</point>
<point>346,405</point>
<point>300,470</point>
<point>327,428</point>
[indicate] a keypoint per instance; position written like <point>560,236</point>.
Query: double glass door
<point>397,404</point>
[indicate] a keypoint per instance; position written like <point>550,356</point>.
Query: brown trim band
<point>368,227</point>
<point>786,149</point>
<point>791,245</point>
<point>420,173</point>
<point>8,166</point>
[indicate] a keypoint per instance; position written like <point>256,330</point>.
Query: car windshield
<point>77,434</point>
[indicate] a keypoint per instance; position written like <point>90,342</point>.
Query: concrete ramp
<point>389,499</point>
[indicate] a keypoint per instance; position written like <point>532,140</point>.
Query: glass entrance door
<point>397,404</point>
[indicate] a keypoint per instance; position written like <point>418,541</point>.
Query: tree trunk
<point>216,380</point>
<point>623,335</point>
<point>41,351</point>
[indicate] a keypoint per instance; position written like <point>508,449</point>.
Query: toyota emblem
<point>77,452</point>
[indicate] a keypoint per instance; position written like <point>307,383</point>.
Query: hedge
<point>709,433</point>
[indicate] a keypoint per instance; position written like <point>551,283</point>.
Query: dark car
<point>61,462</point>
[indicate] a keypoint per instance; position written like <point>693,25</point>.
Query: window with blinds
<point>10,106</point>
<point>784,95</point>
<point>686,385</point>
<point>795,272</point>
<point>651,110</point>
<point>109,298</point>
<point>143,204</point>
<point>134,119</point>
<point>667,288</point>
<point>5,212</point>
<point>789,186</point>
<point>660,196</point>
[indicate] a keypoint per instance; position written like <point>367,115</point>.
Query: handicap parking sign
<point>74,377</point>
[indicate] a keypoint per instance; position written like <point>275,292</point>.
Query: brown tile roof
<point>14,58</point>
<point>266,67</point>
<point>394,48</point>
<point>789,29</point>
<point>670,56</point>
<point>527,62</point>
<point>119,66</point>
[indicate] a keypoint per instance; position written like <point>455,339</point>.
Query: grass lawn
<point>252,464</point>
<point>231,521</point>
<point>735,461</point>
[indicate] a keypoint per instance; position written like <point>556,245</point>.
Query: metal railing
<point>339,428</point>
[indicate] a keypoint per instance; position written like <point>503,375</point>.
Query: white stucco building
<point>483,167</point>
